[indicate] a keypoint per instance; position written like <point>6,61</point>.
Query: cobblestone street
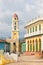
<point>28,60</point>
<point>26,63</point>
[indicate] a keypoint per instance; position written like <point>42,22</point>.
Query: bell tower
<point>15,32</point>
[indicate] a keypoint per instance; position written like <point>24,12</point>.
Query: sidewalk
<point>30,58</point>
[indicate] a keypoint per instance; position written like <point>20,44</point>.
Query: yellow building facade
<point>34,35</point>
<point>15,34</point>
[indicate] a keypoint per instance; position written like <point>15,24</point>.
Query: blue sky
<point>26,11</point>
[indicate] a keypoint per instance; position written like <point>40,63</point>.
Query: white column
<point>26,46</point>
<point>11,47</point>
<point>38,45</point>
<point>42,28</point>
<point>35,45</point>
<point>42,43</point>
<point>32,47</point>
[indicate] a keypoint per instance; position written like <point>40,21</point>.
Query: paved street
<point>27,60</point>
<point>26,63</point>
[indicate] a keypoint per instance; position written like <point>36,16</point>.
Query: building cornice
<point>33,21</point>
<point>33,36</point>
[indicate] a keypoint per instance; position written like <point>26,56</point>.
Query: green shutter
<point>36,28</point>
<point>40,46</point>
<point>30,47</point>
<point>36,47</point>
<point>23,47</point>
<point>33,48</point>
<point>33,29</point>
<point>39,27</point>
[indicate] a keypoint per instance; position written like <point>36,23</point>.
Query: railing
<point>33,34</point>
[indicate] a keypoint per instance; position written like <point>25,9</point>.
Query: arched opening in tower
<point>14,46</point>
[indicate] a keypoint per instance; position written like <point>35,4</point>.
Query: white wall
<point>35,32</point>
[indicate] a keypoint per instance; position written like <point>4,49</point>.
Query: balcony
<point>33,34</point>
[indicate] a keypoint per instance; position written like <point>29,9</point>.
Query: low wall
<point>11,56</point>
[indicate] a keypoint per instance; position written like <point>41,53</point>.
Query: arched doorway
<point>28,45</point>
<point>39,44</point>
<point>36,45</point>
<point>33,45</point>
<point>14,46</point>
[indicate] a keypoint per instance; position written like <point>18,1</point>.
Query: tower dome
<point>15,15</point>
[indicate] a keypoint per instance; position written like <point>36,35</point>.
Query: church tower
<point>15,33</point>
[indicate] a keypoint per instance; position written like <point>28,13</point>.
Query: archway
<point>33,46</point>
<point>39,44</point>
<point>36,45</point>
<point>28,45</point>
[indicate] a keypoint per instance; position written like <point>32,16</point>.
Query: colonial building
<point>34,35</point>
<point>22,46</point>
<point>5,46</point>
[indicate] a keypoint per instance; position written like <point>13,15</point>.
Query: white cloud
<point>27,7</point>
<point>40,12</point>
<point>1,2</point>
<point>39,7</point>
<point>5,13</point>
<point>24,9</point>
<point>5,30</point>
<point>8,12</point>
<point>4,26</point>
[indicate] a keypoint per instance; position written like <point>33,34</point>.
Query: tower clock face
<point>14,33</point>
